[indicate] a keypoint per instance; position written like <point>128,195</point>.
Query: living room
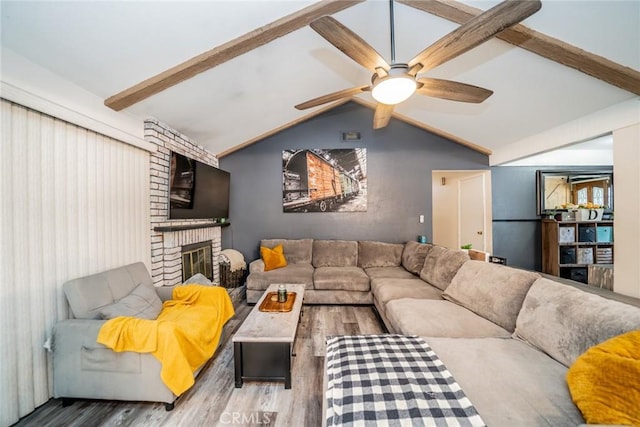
<point>77,173</point>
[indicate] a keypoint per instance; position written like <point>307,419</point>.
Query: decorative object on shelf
<point>567,255</point>
<point>567,235</point>
<point>604,255</point>
<point>422,239</point>
<point>584,214</point>
<point>578,274</point>
<point>586,233</point>
<point>604,234</point>
<point>467,246</point>
<point>585,255</point>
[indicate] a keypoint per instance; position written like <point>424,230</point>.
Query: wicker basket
<point>231,279</point>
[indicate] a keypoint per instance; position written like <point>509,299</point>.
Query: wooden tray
<point>270,303</point>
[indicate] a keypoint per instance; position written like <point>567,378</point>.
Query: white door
<point>471,212</point>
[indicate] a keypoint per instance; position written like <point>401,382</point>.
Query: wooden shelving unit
<point>569,247</point>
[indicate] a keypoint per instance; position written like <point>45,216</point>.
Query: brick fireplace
<point>168,238</point>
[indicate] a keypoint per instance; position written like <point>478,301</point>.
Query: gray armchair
<point>82,368</point>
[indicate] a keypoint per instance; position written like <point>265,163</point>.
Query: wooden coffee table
<point>263,345</point>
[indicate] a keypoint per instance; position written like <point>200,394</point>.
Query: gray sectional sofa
<point>333,271</point>
<point>508,336</point>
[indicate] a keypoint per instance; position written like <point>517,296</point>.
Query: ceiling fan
<point>396,82</point>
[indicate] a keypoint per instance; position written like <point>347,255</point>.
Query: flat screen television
<point>197,190</point>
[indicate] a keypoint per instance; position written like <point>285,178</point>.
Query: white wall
<point>626,169</point>
<point>28,84</point>
<point>74,202</point>
<point>585,128</point>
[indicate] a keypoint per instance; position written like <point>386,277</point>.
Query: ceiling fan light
<point>393,90</point>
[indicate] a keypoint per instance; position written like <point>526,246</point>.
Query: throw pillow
<point>379,254</point>
<point>564,321</point>
<point>441,264</point>
<point>605,381</point>
<point>273,258</point>
<point>143,302</point>
<point>493,291</point>
<point>413,256</point>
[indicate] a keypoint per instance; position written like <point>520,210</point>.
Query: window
<point>583,197</point>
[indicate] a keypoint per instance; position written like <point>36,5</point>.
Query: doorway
<point>462,209</point>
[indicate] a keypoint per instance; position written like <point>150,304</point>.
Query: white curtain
<point>72,203</point>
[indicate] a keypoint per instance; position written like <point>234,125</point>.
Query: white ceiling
<point>595,152</point>
<point>105,47</point>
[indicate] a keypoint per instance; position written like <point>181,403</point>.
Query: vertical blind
<point>73,203</point>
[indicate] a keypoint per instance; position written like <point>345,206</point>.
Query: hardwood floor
<point>214,401</point>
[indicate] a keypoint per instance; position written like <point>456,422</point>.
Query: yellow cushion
<point>605,381</point>
<point>273,258</point>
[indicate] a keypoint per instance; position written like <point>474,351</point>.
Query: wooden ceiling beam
<point>541,44</point>
<point>226,51</point>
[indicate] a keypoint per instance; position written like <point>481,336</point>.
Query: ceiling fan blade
<point>382,115</point>
<point>454,91</point>
<point>345,93</point>
<point>349,43</point>
<point>475,32</point>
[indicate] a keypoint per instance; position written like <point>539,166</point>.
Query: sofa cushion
<point>273,258</point>
<point>335,253</point>
<point>295,251</point>
<point>87,295</point>
<point>439,318</point>
<point>509,382</point>
<point>492,291</point>
<point>389,272</point>
<point>413,256</point>
<point>341,278</point>
<point>385,290</point>
<point>604,381</point>
<point>143,302</point>
<point>292,273</point>
<point>564,321</point>
<point>379,254</point>
<point>441,264</point>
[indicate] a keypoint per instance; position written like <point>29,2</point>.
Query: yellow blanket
<point>182,338</point>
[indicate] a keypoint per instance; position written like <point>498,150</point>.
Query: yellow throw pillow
<point>605,381</point>
<point>273,258</point>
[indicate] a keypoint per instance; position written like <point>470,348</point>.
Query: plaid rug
<point>392,380</point>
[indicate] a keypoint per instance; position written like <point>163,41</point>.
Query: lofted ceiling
<point>106,47</point>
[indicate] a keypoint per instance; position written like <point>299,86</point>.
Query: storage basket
<point>231,279</point>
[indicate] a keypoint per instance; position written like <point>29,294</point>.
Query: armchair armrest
<point>76,333</point>
<point>165,292</point>
<point>82,368</point>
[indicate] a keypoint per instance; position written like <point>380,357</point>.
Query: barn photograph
<point>324,180</point>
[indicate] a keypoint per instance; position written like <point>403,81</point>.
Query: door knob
<point>479,232</point>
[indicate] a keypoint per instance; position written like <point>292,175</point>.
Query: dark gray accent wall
<point>516,227</point>
<point>517,232</point>
<point>400,159</point>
